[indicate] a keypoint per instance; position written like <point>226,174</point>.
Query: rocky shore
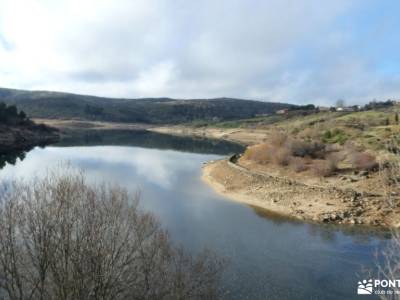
<point>324,204</point>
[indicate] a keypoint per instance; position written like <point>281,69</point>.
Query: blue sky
<point>293,51</point>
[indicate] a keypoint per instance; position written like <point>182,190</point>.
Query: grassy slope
<point>372,129</point>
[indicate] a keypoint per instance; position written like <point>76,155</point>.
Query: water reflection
<point>147,139</point>
<point>270,257</point>
<point>328,232</point>
<point>11,157</point>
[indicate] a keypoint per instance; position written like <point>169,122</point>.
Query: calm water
<point>270,257</point>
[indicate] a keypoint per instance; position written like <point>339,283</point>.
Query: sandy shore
<point>243,136</point>
<point>81,124</point>
<point>297,200</point>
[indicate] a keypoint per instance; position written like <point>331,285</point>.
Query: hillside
<point>43,104</point>
<point>371,129</point>
<point>332,167</point>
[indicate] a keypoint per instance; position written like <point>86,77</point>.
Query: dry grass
<point>363,161</point>
<point>260,153</point>
<point>322,168</point>
<point>281,156</point>
<point>298,164</point>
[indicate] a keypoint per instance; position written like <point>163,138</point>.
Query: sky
<point>296,51</point>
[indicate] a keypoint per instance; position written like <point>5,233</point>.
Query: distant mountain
<point>45,104</point>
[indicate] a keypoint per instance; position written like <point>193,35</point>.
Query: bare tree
<point>388,261</point>
<point>389,264</point>
<point>340,103</point>
<point>61,238</point>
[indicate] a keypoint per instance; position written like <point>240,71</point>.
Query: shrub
<point>260,153</point>
<point>363,161</point>
<point>322,168</point>
<point>298,164</point>
<point>327,135</point>
<point>334,159</point>
<point>277,139</point>
<point>302,148</point>
<point>281,156</point>
<point>310,133</point>
<point>334,136</point>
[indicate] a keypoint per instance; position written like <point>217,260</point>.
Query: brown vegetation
<point>63,239</point>
<point>363,161</point>
<point>323,168</point>
<point>320,158</point>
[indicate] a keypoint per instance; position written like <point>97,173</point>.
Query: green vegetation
<point>371,129</point>
<point>9,115</point>
<point>334,136</point>
<point>149,110</point>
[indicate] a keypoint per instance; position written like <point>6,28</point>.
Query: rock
<point>325,219</point>
<point>354,179</point>
<point>333,217</point>
<point>352,221</point>
<point>359,212</point>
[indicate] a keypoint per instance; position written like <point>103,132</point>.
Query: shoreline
<point>295,200</point>
<point>243,136</point>
<point>70,124</point>
<point>23,138</point>
<point>285,196</point>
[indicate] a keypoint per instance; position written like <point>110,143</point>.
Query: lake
<point>270,257</point>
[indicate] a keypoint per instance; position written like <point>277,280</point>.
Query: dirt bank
<point>82,124</point>
<point>243,136</point>
<point>294,199</point>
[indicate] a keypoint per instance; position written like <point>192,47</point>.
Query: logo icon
<point>365,287</point>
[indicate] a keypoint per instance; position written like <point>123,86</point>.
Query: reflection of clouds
<point>111,163</point>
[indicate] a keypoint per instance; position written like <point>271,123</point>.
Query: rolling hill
<point>46,104</point>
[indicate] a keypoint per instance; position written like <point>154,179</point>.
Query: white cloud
<point>280,50</point>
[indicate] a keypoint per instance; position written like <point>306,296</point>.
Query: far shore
<point>244,136</point>
<point>237,135</point>
<point>71,124</point>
